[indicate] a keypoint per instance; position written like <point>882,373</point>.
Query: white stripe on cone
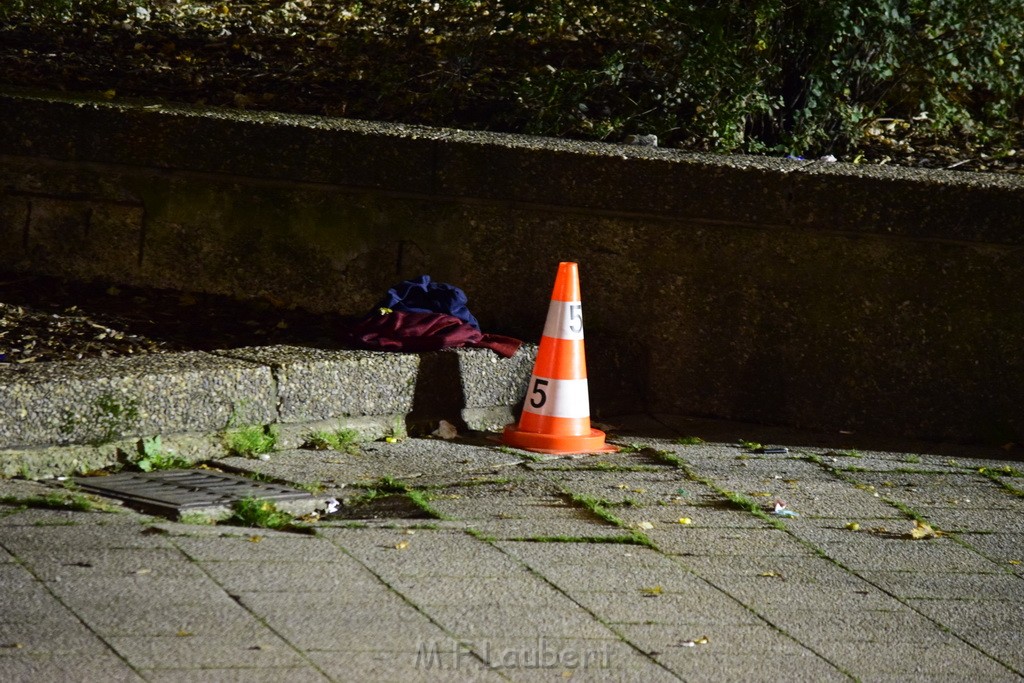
<point>557,397</point>
<point>565,320</point>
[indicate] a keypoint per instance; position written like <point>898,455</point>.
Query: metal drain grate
<point>173,492</point>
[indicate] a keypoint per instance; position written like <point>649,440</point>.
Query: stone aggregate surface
<point>662,562</point>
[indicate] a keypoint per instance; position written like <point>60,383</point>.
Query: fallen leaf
<point>651,591</point>
<point>1015,562</point>
<point>184,634</point>
<point>255,539</point>
<point>644,525</point>
<point>703,640</point>
<point>685,520</point>
<point>769,573</point>
<point>402,545</point>
<point>922,530</point>
<point>853,526</point>
<point>446,430</point>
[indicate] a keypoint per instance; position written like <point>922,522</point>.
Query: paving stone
<point>1002,644</point>
<point>763,596</point>
<point>293,576</point>
<point>129,567</point>
<point>448,664</point>
<point>899,624</point>
<point>948,586</point>
<point>34,604</point>
<point>429,553</point>
<point>208,652</point>
<point>72,535</point>
<point>969,520</point>
<point>783,578</point>
<point>314,621</point>
<point>900,554</point>
<point>547,658</point>
<point>544,529</point>
<point>699,664</point>
<point>253,544</point>
<point>349,632</point>
<point>516,588</point>
<point>967,615</point>
<point>48,638</point>
<point>97,666</point>
<point>642,489</point>
<point>867,660</point>
<point>686,541</point>
<point>630,605</point>
<point>723,636</point>
<point>523,621</point>
<point>292,674</point>
<point>1001,547</point>
<point>754,567</point>
<point>182,614</point>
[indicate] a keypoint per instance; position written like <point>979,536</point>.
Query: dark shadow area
<point>46,318</point>
<point>392,506</point>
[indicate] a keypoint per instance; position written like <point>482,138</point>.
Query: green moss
<point>251,441</point>
<point>341,440</point>
<point>258,513</point>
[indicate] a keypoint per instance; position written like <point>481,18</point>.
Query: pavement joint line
<point>690,473</point>
<point>813,533</point>
<point>461,641</point>
<point>45,586</point>
<point>910,514</point>
<point>263,622</point>
<point>914,515</point>
<point>596,618</point>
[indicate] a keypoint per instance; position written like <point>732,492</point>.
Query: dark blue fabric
<point>421,295</point>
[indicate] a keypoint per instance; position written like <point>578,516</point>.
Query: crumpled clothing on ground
<point>417,332</point>
<point>421,295</point>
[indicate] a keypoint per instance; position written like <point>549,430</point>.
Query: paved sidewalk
<point>475,562</point>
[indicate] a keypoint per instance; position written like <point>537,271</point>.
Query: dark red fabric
<point>407,331</point>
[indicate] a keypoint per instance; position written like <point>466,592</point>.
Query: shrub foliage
<point>780,76</point>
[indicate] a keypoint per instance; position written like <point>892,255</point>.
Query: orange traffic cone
<point>556,415</point>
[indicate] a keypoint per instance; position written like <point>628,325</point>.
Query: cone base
<point>553,444</point>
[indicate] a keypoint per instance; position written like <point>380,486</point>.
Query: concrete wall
<point>817,295</point>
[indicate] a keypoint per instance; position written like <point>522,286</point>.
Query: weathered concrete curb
<point>81,415</point>
<point>802,293</point>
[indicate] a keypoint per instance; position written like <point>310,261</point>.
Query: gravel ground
<point>48,319</point>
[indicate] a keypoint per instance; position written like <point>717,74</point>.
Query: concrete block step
<point>70,416</point>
